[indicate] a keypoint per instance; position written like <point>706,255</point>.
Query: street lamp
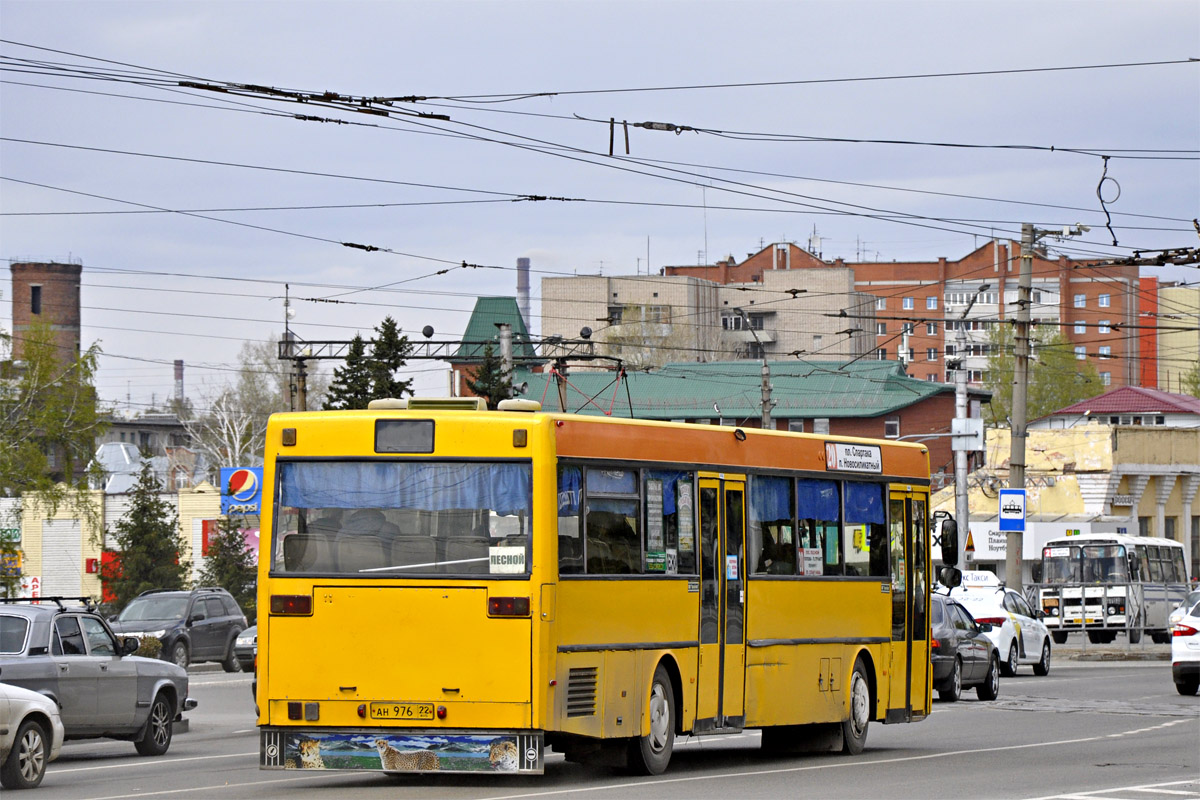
<point>766,373</point>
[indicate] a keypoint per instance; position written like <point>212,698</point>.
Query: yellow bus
<point>444,587</point>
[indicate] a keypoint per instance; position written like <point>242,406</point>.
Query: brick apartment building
<point>919,305</point>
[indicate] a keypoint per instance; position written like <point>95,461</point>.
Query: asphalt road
<point>1091,729</point>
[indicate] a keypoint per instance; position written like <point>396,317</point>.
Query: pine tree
<point>351,384</point>
<point>490,381</point>
<point>230,565</point>
<point>150,544</point>
<point>388,353</point>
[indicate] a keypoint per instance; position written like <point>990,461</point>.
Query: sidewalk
<point>1078,649</point>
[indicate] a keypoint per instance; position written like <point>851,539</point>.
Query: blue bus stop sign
<point>1012,509</point>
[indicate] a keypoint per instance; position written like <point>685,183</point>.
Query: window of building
<point>1081,301</point>
<point>907,304</point>
<point>880,303</point>
<point>1105,300</point>
<point>1080,327</point>
<point>881,354</point>
<point>931,354</point>
<point>614,314</point>
<point>909,327</point>
<point>950,350</point>
<point>755,350</point>
<point>1106,378</point>
<point>1104,326</point>
<point>931,303</point>
<point>818,340</point>
<point>1105,351</point>
<point>891,428</point>
<point>821,425</point>
<point>880,328</point>
<point>1144,528</point>
<point>976,376</point>
<point>931,329</point>
<point>662,315</point>
<point>35,299</point>
<point>1080,353</point>
<point>931,377</point>
<point>796,425</point>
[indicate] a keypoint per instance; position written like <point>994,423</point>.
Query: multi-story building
<point>654,319</point>
<point>46,292</point>
<point>1177,320</point>
<point>920,306</point>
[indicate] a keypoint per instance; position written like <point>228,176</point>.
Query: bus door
<point>908,540</point>
<point>722,689</point>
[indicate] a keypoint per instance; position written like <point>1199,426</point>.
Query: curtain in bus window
<point>670,545</point>
<point>570,541</point>
<point>771,542</point>
<point>503,488</point>
<point>818,506</point>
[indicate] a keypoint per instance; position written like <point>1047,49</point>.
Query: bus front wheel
<point>650,754</point>
<point>854,728</point>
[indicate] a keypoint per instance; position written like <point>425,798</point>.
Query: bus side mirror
<point>949,539</point>
<point>1035,571</point>
<point>949,577</point>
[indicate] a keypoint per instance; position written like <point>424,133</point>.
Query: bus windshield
<point>1105,564</point>
<point>378,519</point>
<point>1060,565</point>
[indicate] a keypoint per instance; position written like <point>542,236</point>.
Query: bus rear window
<point>395,519</point>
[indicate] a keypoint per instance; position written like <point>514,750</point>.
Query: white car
<point>1017,629</point>
<point>1185,650</point>
<point>31,736</point>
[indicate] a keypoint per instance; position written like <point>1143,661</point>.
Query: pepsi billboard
<point>241,490</point>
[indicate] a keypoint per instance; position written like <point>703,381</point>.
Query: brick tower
<point>47,292</point>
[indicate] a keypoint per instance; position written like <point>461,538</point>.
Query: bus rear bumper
<point>402,750</point>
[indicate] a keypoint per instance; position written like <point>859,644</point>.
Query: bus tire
<point>1160,637</point>
<point>1060,637</point>
<point>1135,632</point>
<point>650,754</point>
<point>854,728</point>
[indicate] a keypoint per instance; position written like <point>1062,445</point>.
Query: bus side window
<point>770,531</point>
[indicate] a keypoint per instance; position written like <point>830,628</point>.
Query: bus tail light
<point>291,604</point>
<point>993,621</point>
<point>1179,629</point>
<point>508,606</point>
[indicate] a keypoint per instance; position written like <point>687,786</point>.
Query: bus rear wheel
<point>1060,637</point>
<point>650,754</point>
<point>854,728</point>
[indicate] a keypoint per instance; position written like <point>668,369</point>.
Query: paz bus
<point>446,587</point>
<point>1106,583</point>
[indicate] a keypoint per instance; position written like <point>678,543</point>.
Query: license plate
<point>401,710</point>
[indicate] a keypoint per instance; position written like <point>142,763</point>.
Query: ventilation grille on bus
<point>581,692</point>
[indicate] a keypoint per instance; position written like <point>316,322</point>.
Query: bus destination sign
<point>853,457</point>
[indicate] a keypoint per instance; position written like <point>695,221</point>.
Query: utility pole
<point>506,352</point>
<point>1021,352</point>
<point>961,443</point>
<point>766,374</point>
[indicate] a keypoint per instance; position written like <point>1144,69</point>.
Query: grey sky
<point>633,211</point>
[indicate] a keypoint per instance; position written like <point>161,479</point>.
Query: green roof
<point>482,331</point>
<point>733,390</point>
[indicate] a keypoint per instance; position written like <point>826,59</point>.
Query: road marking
<point>309,777</point>
<point>1152,788</point>
<point>158,762</point>
<point>836,765</point>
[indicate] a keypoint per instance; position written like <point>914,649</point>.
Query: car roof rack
<point>87,602</point>
<point>183,591</point>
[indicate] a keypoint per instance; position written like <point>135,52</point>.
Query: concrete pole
<point>962,508</point>
<point>766,396</point>
<point>1016,461</point>
<point>506,352</point>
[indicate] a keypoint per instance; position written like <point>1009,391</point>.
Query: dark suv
<point>200,625</point>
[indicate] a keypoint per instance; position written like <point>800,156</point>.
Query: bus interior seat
<point>470,549</point>
<point>569,554</point>
<point>412,550</point>
<point>356,553</point>
<point>308,552</point>
<point>598,556</point>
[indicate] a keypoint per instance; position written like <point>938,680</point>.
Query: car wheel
<point>1160,637</point>
<point>650,754</point>
<point>1060,637</point>
<point>1042,667</point>
<point>179,654</point>
<point>1009,667</point>
<point>26,763</point>
<point>1188,687</point>
<point>231,663</point>
<point>990,688</point>
<point>953,687</point>
<point>854,728</point>
<point>156,737</point>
